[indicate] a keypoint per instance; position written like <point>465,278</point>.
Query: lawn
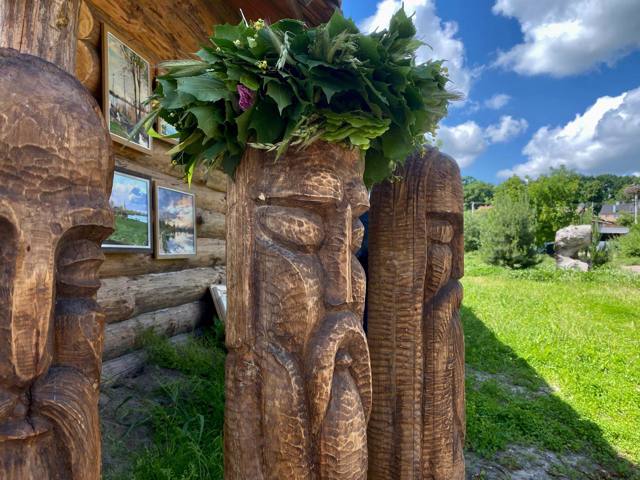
<point>563,353</point>
<point>553,364</point>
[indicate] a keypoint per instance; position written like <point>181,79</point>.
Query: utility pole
<point>634,190</point>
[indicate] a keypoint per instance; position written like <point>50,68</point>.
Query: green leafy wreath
<point>285,85</point>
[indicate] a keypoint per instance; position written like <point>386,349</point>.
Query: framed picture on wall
<point>175,223</point>
<point>131,202</point>
<point>126,83</point>
<point>165,128</point>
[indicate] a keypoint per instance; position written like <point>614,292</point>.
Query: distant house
<point>611,212</point>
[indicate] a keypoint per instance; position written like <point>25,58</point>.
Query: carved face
<point>306,295</point>
<point>55,167</point>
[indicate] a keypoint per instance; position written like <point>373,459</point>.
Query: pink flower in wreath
<point>247,96</point>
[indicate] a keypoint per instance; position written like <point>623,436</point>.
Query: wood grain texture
<point>119,338</point>
<point>298,381</point>
<point>210,253</point>
<point>124,297</point>
<point>43,28</point>
<point>56,169</point>
<point>417,424</point>
<point>131,363</point>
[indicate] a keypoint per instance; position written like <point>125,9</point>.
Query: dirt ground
<point>123,414</point>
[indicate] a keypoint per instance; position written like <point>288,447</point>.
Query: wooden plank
<point>119,338</point>
<point>116,369</point>
<point>164,29</point>
<point>211,253</point>
<point>124,297</point>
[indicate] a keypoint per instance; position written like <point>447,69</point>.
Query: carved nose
<point>31,311</point>
<point>337,258</point>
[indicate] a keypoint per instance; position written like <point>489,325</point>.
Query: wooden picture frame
<point>122,113</point>
<point>125,184</point>
<point>175,214</point>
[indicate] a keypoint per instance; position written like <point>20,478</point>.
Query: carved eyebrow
<point>316,186</point>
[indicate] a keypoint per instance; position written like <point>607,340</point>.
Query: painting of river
<point>175,223</point>
<point>131,203</point>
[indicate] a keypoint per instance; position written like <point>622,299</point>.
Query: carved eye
<point>78,262</point>
<point>357,236</point>
<point>295,226</point>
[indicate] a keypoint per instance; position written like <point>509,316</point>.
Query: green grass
<point>574,334</point>
<point>188,419</point>
<point>129,231</point>
<point>562,350</point>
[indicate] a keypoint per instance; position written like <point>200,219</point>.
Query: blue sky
<point>546,82</point>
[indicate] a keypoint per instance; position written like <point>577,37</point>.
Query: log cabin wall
<point>140,292</point>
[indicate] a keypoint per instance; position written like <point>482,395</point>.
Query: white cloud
<point>497,101</point>
<point>439,35</point>
<point>604,139</point>
<point>566,37</point>
<point>463,142</point>
<point>507,129</point>
<point>468,140</point>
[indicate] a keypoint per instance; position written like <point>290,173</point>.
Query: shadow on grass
<point>509,403</point>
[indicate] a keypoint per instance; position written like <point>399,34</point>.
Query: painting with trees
<point>127,84</point>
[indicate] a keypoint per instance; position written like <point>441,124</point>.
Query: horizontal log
<point>210,253</point>
<point>119,338</point>
<point>88,27</point>
<point>206,198</point>
<point>114,370</point>
<point>88,68</point>
<point>125,297</point>
<point>211,224</point>
<point>217,180</point>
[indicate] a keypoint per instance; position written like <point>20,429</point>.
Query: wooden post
<point>298,381</point>
<point>43,28</point>
<point>417,423</point>
<point>56,169</point>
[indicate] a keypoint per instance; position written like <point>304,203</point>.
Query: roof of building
<point>616,209</point>
<point>614,230</point>
<point>312,11</point>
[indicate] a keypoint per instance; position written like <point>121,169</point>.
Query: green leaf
<point>194,137</point>
<point>209,119</point>
<point>281,94</point>
<point>242,121</point>
<point>204,88</point>
<point>266,122</point>
<point>250,81</point>
<point>338,24</point>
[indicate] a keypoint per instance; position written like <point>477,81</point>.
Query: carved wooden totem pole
<point>298,372</point>
<point>417,423</point>
<point>55,177</point>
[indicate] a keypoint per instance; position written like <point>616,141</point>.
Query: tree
<point>555,198</point>
<point>629,244</point>
<point>476,191</point>
<point>508,236</point>
<point>513,186</point>
<point>473,224</point>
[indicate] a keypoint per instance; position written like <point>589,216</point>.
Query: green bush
<point>629,245</point>
<point>625,220</point>
<point>508,236</point>
<point>473,224</point>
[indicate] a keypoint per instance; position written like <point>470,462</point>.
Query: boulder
<point>572,239</point>
<point>569,242</point>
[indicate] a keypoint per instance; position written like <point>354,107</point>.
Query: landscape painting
<point>131,202</point>
<point>166,129</point>
<point>175,223</point>
<point>127,84</point>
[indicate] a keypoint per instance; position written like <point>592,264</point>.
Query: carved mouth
<point>24,428</point>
